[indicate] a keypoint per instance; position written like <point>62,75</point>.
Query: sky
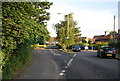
<point>119,15</point>
<point>94,17</point>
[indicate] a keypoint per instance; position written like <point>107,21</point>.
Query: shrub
<point>99,44</point>
<point>16,60</point>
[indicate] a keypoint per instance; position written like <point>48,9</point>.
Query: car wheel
<point>114,56</point>
<point>101,56</point>
<point>97,55</point>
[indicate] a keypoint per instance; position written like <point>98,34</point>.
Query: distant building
<point>105,38</point>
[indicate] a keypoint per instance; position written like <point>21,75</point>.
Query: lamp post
<point>114,29</point>
<point>68,24</point>
<point>67,29</point>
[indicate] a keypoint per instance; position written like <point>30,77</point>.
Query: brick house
<point>106,38</point>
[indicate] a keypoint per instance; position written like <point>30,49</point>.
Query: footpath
<point>41,67</point>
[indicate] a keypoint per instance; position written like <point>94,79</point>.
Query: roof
<point>90,39</point>
<point>106,37</point>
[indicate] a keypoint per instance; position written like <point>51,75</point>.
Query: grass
<point>68,51</point>
<point>21,69</point>
<point>0,73</point>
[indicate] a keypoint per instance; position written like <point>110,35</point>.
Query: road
<point>85,65</point>
<point>55,64</point>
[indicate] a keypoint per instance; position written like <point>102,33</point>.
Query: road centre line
<point>74,55</point>
<point>63,71</point>
<point>71,60</point>
<point>61,74</point>
<point>66,67</point>
<point>68,64</point>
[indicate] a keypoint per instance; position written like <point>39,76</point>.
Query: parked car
<point>76,48</point>
<point>84,47</point>
<point>106,51</point>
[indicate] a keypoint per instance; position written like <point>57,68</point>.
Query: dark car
<point>76,48</point>
<point>106,51</point>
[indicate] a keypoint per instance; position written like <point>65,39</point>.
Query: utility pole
<point>68,24</point>
<point>114,28</point>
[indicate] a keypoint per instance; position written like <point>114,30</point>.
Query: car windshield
<point>108,48</point>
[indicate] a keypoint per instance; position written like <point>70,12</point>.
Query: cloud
<point>55,17</point>
<point>94,23</point>
<point>91,22</point>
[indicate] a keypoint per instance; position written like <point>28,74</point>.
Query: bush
<point>99,44</point>
<point>19,31</point>
<point>59,46</point>
<point>17,59</point>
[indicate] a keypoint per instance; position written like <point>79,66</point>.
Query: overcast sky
<point>93,16</point>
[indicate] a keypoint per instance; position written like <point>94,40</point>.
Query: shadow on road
<point>52,47</point>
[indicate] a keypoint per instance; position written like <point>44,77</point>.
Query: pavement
<point>42,67</point>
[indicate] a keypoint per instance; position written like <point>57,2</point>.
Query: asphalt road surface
<point>85,65</point>
<point>55,64</point>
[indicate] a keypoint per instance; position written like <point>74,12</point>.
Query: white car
<point>86,47</point>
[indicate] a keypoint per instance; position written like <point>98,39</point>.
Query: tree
<point>89,42</point>
<point>22,24</point>
<point>84,41</point>
<point>67,32</point>
<point>22,21</point>
<point>113,32</point>
<point>77,35</point>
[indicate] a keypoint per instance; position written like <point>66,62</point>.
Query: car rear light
<point>102,51</point>
<point>114,51</point>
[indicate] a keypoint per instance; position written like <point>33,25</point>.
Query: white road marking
<point>74,55</point>
<point>65,66</point>
<point>58,54</point>
<point>63,71</point>
<point>70,62</point>
<point>61,74</point>
<point>65,61</point>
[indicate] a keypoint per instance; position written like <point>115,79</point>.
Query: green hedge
<point>23,24</point>
<point>99,44</point>
<point>16,60</point>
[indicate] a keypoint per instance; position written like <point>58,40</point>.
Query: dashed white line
<point>70,62</point>
<point>61,74</point>
<point>74,55</point>
<point>65,61</point>
<point>66,67</point>
<point>63,71</point>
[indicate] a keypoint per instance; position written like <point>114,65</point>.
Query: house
<point>106,38</point>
